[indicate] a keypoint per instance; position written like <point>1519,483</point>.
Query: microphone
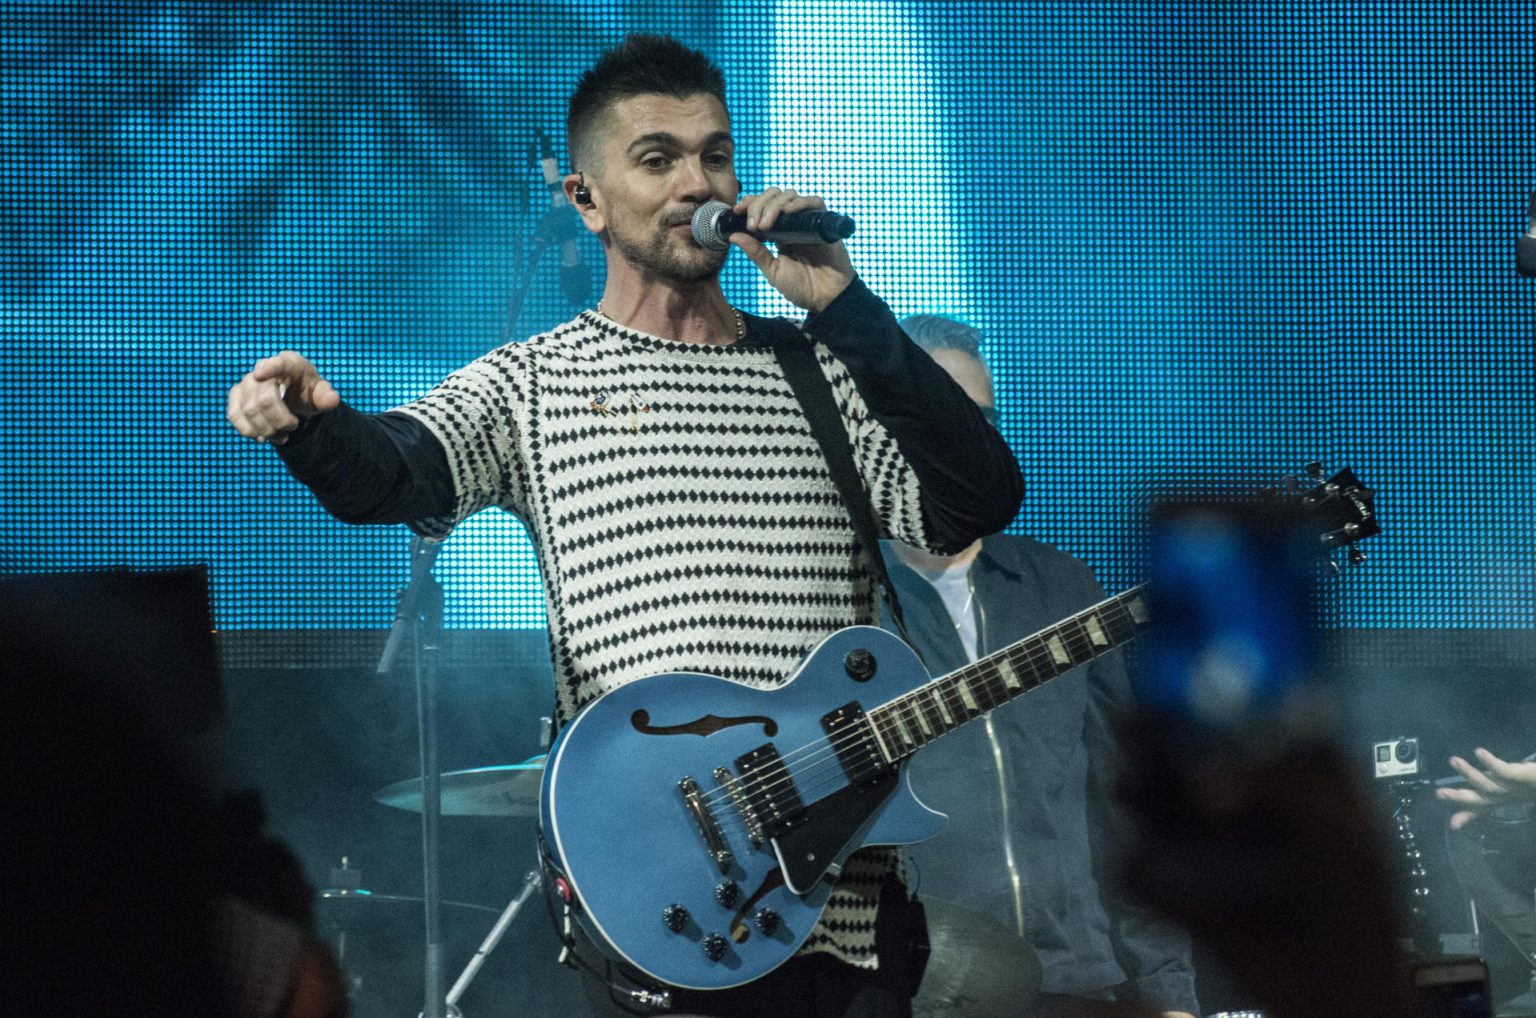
<point>575,280</point>
<point>714,222</point>
<point>1525,247</point>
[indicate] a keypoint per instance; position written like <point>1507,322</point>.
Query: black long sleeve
<point>971,483</point>
<point>371,468</point>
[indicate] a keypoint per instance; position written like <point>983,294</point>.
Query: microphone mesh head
<point>706,226</point>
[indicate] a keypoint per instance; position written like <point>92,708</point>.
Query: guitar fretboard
<point>911,721</point>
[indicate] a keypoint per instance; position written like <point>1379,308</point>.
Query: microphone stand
<point>419,620</point>
<point>557,224</point>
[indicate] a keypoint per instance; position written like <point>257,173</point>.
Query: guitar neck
<point>910,722</point>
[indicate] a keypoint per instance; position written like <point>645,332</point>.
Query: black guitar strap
<point>798,359</point>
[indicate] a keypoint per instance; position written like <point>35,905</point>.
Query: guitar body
<point>750,856</point>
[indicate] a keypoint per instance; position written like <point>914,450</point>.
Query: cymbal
<point>507,790</point>
<point>978,967</point>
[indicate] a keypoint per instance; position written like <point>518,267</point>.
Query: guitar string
<point>1035,650</point>
<point>980,677</point>
<point>796,766</point>
<point>813,776</point>
<point>907,709</point>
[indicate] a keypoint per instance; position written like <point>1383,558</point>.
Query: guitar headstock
<point>1341,505</point>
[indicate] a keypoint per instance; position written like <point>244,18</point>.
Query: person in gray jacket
<point>1027,787</point>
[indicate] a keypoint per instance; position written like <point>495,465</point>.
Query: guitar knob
<point>675,918</point>
<point>859,664</point>
<point>727,893</point>
<point>714,946</point>
<point>766,920</point>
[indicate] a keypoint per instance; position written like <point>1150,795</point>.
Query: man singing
<point>684,515</point>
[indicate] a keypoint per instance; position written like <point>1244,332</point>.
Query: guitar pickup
<point>704,820</point>
<point>857,747</point>
<point>770,791</point>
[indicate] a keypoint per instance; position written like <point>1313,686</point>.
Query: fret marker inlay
<point>1010,677</point>
<point>1138,610</point>
<point>921,715</point>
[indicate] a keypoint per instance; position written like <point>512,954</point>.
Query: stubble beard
<point>660,257</point>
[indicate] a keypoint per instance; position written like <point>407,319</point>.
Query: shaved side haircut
<point>640,65</point>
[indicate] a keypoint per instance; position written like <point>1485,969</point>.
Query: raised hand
<point>276,394</point>
<point>809,275</point>
<point>1500,783</point>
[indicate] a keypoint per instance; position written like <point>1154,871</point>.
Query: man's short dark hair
<point>935,332</point>
<point>640,65</point>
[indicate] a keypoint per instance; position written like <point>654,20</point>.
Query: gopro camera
<point>1397,758</point>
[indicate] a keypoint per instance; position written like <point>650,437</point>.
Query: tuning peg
<point>1356,556</point>
<point>1315,470</point>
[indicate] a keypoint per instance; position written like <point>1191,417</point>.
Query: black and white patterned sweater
<point>684,517</point>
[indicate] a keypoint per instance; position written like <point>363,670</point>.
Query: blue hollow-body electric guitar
<point>700,824</point>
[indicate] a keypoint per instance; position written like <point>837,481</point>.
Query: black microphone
<point>714,222</point>
<point>1525,247</point>
<point>575,280</point>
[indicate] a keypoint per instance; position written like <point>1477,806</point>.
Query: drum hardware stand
<point>419,619</point>
<point>530,884</point>
<point>345,878</point>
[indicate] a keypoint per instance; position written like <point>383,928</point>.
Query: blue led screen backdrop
<point>1201,239</point>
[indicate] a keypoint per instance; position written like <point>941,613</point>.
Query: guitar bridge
<point>704,820</point>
